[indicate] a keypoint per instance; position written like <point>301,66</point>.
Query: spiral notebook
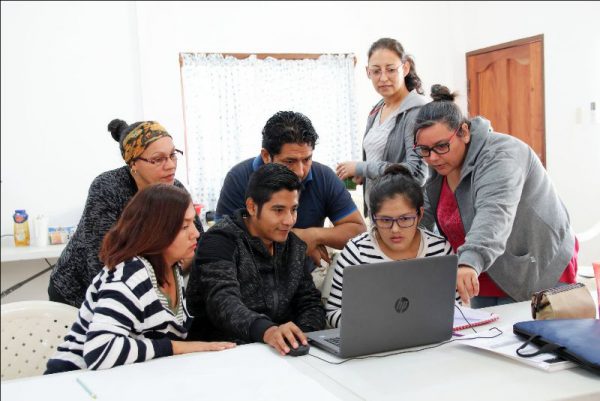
<point>474,317</point>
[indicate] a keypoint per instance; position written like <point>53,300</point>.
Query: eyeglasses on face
<point>440,148</point>
<point>160,161</point>
<point>389,71</point>
<point>388,222</point>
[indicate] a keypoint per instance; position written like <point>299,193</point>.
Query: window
<point>227,99</point>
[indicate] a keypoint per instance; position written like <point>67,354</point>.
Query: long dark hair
<point>411,80</point>
<point>148,225</point>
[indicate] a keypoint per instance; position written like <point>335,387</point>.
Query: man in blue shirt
<point>289,139</point>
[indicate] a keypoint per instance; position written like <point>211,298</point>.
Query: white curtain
<point>227,102</point>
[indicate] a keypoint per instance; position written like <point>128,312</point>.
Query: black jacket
<point>237,290</point>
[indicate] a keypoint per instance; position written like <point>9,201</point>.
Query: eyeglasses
<point>160,161</point>
<point>376,72</point>
<point>387,223</point>
<point>440,148</point>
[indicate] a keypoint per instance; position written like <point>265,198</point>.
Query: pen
<point>86,388</point>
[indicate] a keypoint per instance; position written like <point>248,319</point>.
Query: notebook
<point>474,318</point>
<point>393,305</point>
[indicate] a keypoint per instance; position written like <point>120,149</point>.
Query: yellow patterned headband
<point>140,137</point>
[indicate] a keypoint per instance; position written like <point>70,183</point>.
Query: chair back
<point>31,331</point>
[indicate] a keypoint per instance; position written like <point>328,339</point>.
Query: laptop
<point>393,305</point>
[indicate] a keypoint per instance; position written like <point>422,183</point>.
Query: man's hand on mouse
<point>276,337</point>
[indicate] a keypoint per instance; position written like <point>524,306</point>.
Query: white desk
<point>14,254</point>
<point>11,253</point>
<point>248,372</point>
<point>459,372</point>
<point>450,372</point>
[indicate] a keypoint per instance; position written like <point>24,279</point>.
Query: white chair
<point>31,331</point>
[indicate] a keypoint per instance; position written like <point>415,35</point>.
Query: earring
<point>134,172</point>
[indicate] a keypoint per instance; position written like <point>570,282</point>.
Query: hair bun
<point>115,127</point>
<point>441,93</point>
<point>397,169</point>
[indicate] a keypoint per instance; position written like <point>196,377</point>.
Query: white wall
<point>69,68</point>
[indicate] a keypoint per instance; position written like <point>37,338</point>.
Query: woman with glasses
<point>492,199</point>
<point>396,205</point>
<point>389,135</point>
<point>150,157</point>
<point>135,308</point>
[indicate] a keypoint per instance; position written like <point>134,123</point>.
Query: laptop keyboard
<point>333,340</point>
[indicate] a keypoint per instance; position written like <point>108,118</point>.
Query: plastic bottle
<point>21,228</point>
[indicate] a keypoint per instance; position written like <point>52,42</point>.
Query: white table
<point>450,372</point>
<point>459,372</point>
<point>11,253</point>
<point>248,372</point>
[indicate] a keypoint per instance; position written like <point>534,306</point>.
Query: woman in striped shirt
<point>396,205</point>
<point>135,310</point>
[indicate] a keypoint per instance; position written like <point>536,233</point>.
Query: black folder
<point>577,340</point>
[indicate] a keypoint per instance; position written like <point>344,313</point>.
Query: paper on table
<point>507,343</point>
<point>474,317</point>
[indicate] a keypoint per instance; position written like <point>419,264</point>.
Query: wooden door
<point>506,85</point>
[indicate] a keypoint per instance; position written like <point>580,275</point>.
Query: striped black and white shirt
<point>124,319</point>
<point>364,249</point>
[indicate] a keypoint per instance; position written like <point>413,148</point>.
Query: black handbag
<point>577,340</point>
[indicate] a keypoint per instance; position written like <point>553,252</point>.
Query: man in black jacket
<point>249,281</point>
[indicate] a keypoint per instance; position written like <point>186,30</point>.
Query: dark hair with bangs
<point>396,180</point>
<point>148,225</point>
<point>267,180</point>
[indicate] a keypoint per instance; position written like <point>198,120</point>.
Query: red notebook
<point>474,317</point>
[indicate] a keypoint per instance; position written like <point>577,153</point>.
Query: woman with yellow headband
<point>150,157</point>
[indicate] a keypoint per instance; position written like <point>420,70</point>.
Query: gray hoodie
<point>399,145</point>
<point>517,228</point>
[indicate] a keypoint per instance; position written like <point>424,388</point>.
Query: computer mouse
<point>301,350</point>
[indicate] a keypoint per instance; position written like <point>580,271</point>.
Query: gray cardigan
<point>517,228</point>
<point>399,145</point>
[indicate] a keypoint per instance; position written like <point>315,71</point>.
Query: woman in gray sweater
<point>492,199</point>
<point>150,157</point>
<point>389,135</point>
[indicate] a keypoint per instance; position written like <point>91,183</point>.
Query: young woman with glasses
<point>150,157</point>
<point>396,205</point>
<point>490,196</point>
<point>389,135</point>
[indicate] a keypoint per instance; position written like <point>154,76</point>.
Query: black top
<point>237,290</point>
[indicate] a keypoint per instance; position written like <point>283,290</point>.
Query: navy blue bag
<point>577,340</point>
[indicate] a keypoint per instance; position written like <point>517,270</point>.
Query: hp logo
<point>401,305</point>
